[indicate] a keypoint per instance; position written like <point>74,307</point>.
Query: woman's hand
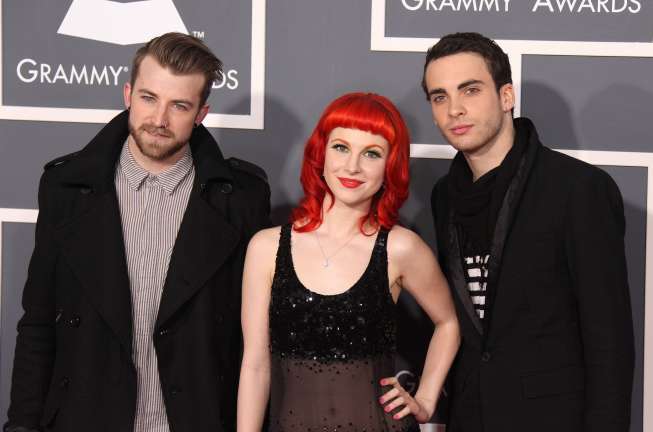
<point>397,397</point>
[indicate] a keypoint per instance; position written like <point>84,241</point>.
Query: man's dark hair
<point>183,55</point>
<point>496,60</point>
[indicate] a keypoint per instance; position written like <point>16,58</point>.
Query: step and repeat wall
<point>582,70</point>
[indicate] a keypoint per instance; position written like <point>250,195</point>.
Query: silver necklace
<point>328,257</point>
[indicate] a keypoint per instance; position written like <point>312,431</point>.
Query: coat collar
<point>504,223</point>
<point>94,166</point>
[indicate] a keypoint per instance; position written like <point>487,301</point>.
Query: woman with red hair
<point>319,293</point>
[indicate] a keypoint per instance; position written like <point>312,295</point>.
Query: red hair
<point>371,113</point>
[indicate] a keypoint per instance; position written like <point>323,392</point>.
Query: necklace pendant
<point>325,263</point>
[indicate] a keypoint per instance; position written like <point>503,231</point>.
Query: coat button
<point>85,191</point>
<point>64,383</point>
<point>226,188</point>
<point>174,391</point>
<point>75,321</point>
<point>486,356</point>
<point>163,332</point>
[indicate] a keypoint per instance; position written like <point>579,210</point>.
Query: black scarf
<point>477,203</point>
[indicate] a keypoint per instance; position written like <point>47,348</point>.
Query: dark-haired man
<point>133,292</point>
<point>532,244</point>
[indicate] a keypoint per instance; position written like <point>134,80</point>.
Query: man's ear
<point>127,94</point>
<point>507,97</point>
<point>201,114</point>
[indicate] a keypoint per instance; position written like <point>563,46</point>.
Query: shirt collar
<point>169,179</point>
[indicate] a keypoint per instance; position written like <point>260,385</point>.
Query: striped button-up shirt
<point>151,210</point>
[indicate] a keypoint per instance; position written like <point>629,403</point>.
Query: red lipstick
<point>350,183</point>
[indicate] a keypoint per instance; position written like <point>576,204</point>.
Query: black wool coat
<point>73,369</point>
<point>555,352</point>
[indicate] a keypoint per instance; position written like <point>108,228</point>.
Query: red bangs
<point>365,114</point>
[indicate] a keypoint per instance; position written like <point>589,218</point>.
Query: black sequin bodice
<point>330,351</point>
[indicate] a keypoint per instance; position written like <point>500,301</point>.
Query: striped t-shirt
<point>476,275</point>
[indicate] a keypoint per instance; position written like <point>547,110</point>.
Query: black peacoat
<point>556,350</point>
<point>73,369</point>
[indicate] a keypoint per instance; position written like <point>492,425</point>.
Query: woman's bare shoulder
<point>404,243</point>
<point>265,240</point>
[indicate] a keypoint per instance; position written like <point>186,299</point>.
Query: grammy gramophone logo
<point>121,23</point>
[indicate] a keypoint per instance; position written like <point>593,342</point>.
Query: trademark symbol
<point>198,34</point>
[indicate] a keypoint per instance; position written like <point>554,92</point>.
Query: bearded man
<point>132,298</point>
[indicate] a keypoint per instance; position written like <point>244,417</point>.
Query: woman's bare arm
<point>254,386</point>
<point>419,273</point>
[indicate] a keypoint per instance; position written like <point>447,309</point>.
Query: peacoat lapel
<point>205,239</point>
<point>91,237</point>
<point>93,247</point>
<point>456,272</point>
<point>508,212</point>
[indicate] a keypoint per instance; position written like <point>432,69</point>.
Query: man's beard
<point>150,147</point>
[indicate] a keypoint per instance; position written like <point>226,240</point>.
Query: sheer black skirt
<point>312,396</point>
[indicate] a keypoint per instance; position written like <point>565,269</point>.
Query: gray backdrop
<point>315,51</point>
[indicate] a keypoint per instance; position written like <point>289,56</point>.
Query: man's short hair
<point>496,60</point>
<point>183,55</point>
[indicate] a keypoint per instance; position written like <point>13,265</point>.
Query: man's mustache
<point>157,130</point>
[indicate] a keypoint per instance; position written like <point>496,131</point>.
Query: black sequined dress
<point>329,352</point>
